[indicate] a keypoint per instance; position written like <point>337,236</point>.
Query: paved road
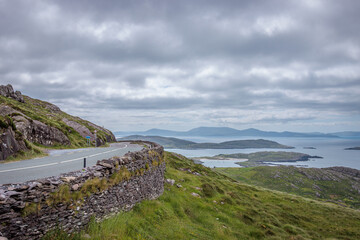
<point>60,161</point>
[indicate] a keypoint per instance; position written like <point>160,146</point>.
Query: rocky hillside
<point>335,184</point>
<point>26,123</point>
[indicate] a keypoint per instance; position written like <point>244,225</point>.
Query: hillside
<point>260,158</point>
<point>28,125</point>
<point>336,184</point>
<point>203,204</point>
<point>184,144</point>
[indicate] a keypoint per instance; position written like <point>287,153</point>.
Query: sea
<point>332,151</point>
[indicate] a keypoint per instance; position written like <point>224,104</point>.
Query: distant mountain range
<point>184,144</point>
<point>232,132</point>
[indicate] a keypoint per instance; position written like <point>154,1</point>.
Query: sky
<point>132,65</point>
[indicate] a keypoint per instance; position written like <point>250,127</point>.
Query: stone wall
<point>70,201</point>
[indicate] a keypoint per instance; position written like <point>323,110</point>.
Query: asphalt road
<point>60,161</point>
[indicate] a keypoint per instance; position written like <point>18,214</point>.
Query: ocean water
<point>331,149</point>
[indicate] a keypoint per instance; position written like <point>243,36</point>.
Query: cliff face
<point>25,119</point>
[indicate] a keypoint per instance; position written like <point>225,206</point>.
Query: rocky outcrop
<point>69,201</point>
<point>8,91</point>
<point>84,131</point>
<point>38,132</point>
<point>9,145</point>
<point>33,130</point>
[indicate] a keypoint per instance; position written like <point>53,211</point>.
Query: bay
<point>331,149</point>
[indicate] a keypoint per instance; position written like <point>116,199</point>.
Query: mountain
<point>347,134</point>
<point>166,142</point>
<point>28,125</point>
<point>224,132</point>
<point>199,203</point>
<point>184,144</point>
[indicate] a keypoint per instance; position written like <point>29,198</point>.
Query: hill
<point>224,132</point>
<point>28,125</point>
<point>353,148</point>
<point>260,158</point>
<point>335,184</point>
<point>203,204</point>
<point>168,142</point>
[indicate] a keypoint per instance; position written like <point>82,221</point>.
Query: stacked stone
<point>14,198</point>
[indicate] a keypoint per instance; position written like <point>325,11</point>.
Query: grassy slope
<point>35,109</point>
<point>240,212</point>
<point>293,180</point>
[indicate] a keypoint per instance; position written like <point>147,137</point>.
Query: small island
<point>261,158</point>
<point>353,148</point>
<point>309,147</point>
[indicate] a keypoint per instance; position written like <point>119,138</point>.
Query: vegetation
<point>223,209</point>
<point>259,158</point>
<point>49,114</point>
<point>169,142</point>
<point>325,184</point>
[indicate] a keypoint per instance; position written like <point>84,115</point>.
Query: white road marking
<point>66,161</point>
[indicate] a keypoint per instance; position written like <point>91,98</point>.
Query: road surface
<point>60,161</point>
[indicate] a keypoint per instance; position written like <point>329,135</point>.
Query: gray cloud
<point>182,62</point>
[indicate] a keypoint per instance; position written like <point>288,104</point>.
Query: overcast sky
<point>135,65</point>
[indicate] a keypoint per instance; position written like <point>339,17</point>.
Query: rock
<point>68,179</point>
<point>3,238</point>
<point>198,188</point>
<point>12,193</point>
<point>75,187</point>
<point>104,164</point>
<point>170,181</point>
<point>195,194</point>
<point>8,91</point>
<point>9,145</point>
<point>2,197</point>
<point>179,185</point>
<point>86,236</point>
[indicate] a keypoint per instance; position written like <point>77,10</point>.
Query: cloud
<point>177,61</point>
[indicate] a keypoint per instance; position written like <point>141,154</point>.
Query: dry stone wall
<point>70,201</point>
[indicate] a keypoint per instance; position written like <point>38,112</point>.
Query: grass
<point>34,151</point>
<point>225,209</point>
<point>320,184</point>
<point>34,109</point>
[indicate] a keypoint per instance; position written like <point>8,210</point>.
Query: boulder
<point>9,144</point>
<point>8,91</point>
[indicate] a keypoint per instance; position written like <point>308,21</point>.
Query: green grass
<point>226,209</point>
<point>320,184</point>
<point>34,109</point>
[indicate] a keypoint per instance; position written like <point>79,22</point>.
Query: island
<point>262,158</point>
<point>172,143</point>
<point>353,148</point>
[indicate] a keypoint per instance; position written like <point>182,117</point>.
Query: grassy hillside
<point>336,184</point>
<point>168,142</point>
<point>33,110</point>
<point>223,209</point>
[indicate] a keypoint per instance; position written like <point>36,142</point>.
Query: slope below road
<point>60,161</point>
